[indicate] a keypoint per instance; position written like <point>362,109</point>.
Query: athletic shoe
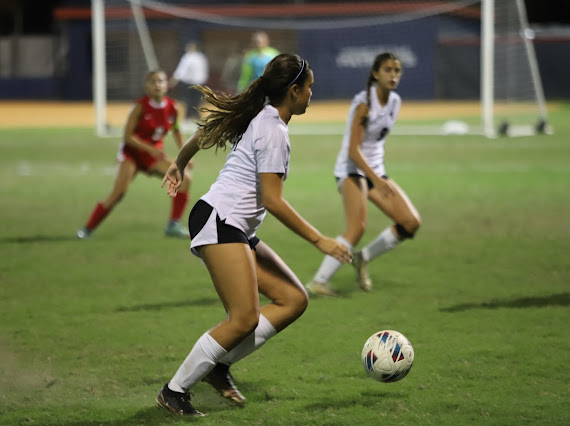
<point>361,269</point>
<point>221,379</point>
<point>174,229</point>
<point>320,289</point>
<point>84,234</point>
<point>177,402</point>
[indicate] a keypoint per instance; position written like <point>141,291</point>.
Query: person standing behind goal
<point>255,60</point>
<point>361,176</point>
<point>150,118</point>
<point>192,69</point>
<point>223,225</point>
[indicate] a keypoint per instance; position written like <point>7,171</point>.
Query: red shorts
<point>142,159</point>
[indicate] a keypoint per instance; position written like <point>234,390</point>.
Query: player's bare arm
<point>272,195</point>
<point>131,138</point>
<point>173,177</point>
<point>179,140</point>
<point>188,150</point>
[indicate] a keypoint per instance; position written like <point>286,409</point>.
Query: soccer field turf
<point>91,330</point>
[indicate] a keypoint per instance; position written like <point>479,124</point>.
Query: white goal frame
<point>487,72</point>
<point>488,127</point>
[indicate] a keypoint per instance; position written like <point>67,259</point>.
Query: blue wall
<point>341,61</point>
<point>347,59</point>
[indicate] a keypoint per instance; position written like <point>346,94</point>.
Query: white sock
<point>384,242</point>
<point>200,361</point>
<point>330,265</point>
<point>262,333</point>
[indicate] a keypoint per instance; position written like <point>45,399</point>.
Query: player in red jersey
<point>150,118</point>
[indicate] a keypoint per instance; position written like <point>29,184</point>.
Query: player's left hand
<point>172,179</point>
<point>335,249</point>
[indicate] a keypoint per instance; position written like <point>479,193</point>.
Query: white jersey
<point>381,119</point>
<point>236,193</point>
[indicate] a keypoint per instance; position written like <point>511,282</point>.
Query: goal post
<point>487,61</point>
<point>470,63</point>
<point>99,66</point>
<point>513,102</point>
<point>528,36</point>
<point>144,34</point>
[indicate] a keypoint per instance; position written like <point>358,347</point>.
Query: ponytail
<point>228,119</point>
<point>229,116</point>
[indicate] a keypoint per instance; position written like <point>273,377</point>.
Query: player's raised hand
<point>335,249</point>
<point>172,179</point>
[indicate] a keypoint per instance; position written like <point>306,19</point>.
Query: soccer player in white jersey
<point>223,225</point>
<point>361,176</point>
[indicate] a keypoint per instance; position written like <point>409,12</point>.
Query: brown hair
<point>230,117</point>
<point>378,61</point>
<point>148,75</point>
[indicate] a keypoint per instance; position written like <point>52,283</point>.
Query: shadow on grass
<point>146,416</point>
<point>562,299</point>
<point>38,239</point>
<point>208,402</point>
<point>366,399</point>
<point>167,305</point>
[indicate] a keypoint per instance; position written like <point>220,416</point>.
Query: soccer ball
<point>387,356</point>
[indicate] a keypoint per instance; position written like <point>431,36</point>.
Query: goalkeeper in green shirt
<point>255,60</point>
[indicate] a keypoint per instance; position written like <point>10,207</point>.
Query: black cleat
<point>177,402</point>
<point>221,379</point>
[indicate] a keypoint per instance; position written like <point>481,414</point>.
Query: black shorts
<point>204,229</point>
<point>368,181</point>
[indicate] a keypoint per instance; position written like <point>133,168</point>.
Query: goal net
<point>469,65</point>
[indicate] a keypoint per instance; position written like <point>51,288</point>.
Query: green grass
<point>91,330</point>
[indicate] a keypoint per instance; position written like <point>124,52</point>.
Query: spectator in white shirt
<point>192,69</point>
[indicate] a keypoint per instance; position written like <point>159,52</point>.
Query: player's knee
<point>414,225</point>
<point>244,322</point>
<point>295,300</point>
<point>408,229</point>
<point>299,302</point>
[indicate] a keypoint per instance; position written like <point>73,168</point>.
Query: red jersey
<point>155,121</point>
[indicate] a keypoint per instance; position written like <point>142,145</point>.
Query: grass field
<point>91,330</point>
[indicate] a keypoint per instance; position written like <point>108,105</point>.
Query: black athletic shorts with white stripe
<point>206,227</point>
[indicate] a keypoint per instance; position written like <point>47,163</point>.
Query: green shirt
<point>253,65</point>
